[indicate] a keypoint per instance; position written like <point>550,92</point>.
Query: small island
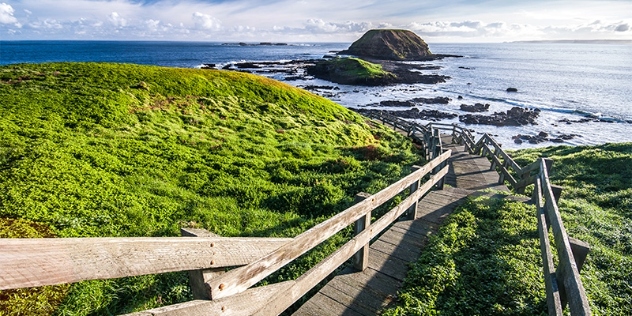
<point>378,57</point>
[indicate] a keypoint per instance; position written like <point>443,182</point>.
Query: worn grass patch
<point>97,149</point>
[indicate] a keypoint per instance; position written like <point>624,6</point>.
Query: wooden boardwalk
<point>365,293</point>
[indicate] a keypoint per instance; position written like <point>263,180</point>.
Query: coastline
<point>581,82</point>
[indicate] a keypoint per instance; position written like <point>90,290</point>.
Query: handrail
<point>35,262</point>
<point>564,284</point>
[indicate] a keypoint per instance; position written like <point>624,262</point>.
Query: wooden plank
<point>416,234</point>
<point>28,262</point>
<point>418,226</point>
<point>316,274</point>
<point>355,296</point>
<point>238,280</point>
<point>321,304</point>
<point>567,269</point>
<point>198,278</point>
<point>345,298</point>
<point>389,265</point>
<point>245,303</point>
<point>373,281</point>
<point>550,282</point>
<point>405,250</point>
<point>396,237</point>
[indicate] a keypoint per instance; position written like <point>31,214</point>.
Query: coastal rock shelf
<point>515,117</point>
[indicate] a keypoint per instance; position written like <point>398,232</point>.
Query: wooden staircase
<point>366,292</point>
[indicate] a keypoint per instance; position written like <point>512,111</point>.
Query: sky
<point>437,21</point>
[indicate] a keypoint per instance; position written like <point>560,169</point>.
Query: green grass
<point>596,207</point>
<point>124,150</point>
<point>351,70</point>
<point>357,67</point>
<point>486,259</point>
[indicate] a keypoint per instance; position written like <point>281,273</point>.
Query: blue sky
<point>313,21</point>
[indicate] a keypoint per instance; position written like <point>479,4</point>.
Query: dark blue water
<point>175,54</point>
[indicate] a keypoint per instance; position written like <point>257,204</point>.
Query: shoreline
<point>562,126</point>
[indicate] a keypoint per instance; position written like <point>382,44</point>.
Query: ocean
<point>566,81</point>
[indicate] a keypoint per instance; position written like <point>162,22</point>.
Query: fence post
<point>199,278</point>
<point>361,258</point>
<point>495,154</point>
<point>501,177</point>
<point>580,251</point>
<point>557,192</point>
<point>411,213</point>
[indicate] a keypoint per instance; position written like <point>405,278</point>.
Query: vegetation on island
<point>350,70</point>
<point>486,259</point>
<point>97,149</point>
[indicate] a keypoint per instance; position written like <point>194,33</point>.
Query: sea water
<point>564,80</point>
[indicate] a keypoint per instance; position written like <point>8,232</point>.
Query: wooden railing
<point>37,262</point>
<point>563,286</point>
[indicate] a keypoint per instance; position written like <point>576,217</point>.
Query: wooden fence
<point>37,262</point>
<point>563,285</point>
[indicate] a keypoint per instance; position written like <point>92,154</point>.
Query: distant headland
<point>599,41</point>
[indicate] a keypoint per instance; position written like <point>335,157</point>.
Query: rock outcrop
<point>515,117</point>
<point>414,113</point>
<point>390,45</point>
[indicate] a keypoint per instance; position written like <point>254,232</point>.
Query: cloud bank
<point>327,20</point>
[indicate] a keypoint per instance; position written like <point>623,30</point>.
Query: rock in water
<point>390,45</point>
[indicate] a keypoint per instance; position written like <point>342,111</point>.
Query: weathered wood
<point>557,192</point>
<point>411,213</point>
<point>522,184</point>
<point>580,251</point>
<point>530,168</point>
<point>550,282</point>
<point>361,258</point>
<point>198,278</point>
<point>246,303</point>
<point>46,261</point>
<point>312,277</point>
<point>504,155</point>
<point>196,232</point>
<point>567,270</point>
<point>238,280</point>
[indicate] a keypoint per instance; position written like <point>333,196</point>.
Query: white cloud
<point>152,25</point>
<point>117,20</point>
<point>206,22</point>
<point>326,20</point>
<point>6,14</point>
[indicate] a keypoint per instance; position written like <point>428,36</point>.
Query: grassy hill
<point>486,259</point>
<point>92,149</point>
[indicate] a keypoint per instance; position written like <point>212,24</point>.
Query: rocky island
<point>397,45</point>
<point>384,50</point>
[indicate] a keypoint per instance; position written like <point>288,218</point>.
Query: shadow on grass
<point>485,260</point>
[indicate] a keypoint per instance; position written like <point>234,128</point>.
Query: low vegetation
<point>124,150</point>
<point>596,207</point>
<point>486,258</point>
<point>351,70</point>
